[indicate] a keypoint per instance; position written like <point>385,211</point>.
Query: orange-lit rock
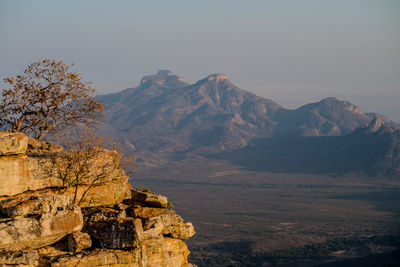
<point>147,199</point>
<point>48,219</point>
<point>13,143</point>
<point>36,232</point>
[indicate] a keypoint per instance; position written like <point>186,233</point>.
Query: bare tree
<point>86,163</point>
<point>45,98</point>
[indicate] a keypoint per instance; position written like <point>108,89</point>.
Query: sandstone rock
<point>34,203</point>
<point>113,232</point>
<point>145,212</point>
<point>22,173</point>
<point>180,231</point>
<point>165,252</point>
<point>100,257</point>
<point>179,248</point>
<point>107,194</point>
<point>32,232</point>
<point>78,241</point>
<point>146,199</point>
<point>13,143</point>
<point>41,222</point>
<point>95,167</point>
<point>19,258</point>
<point>168,223</point>
<point>52,251</point>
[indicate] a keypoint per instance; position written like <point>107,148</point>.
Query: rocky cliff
<point>115,225</point>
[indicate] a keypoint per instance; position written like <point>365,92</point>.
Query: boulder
<point>146,199</point>
<point>114,232</point>
<point>180,231</point>
<point>145,212</point>
<point>35,232</point>
<point>34,203</point>
<point>78,241</point>
<point>13,143</point>
<point>168,223</point>
<point>165,252</point>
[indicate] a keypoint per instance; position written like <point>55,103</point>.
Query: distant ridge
<point>373,150</point>
<point>165,120</point>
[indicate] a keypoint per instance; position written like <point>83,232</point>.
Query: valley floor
<point>245,218</point>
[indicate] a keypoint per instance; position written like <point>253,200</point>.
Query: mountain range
<point>165,120</point>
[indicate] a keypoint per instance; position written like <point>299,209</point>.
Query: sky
<point>292,52</point>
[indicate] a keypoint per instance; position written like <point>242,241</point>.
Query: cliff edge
<point>43,224</point>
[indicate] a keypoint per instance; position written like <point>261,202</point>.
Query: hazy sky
<point>292,52</point>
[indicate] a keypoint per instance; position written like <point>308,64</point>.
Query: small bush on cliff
<point>170,206</point>
<point>86,163</point>
<point>45,98</point>
<point>144,189</point>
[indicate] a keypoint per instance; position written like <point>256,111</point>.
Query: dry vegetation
<point>46,98</point>
<point>258,217</point>
<point>87,162</point>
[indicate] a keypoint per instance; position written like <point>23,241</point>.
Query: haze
<point>292,52</point>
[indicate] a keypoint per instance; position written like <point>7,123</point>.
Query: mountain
<point>165,120</point>
<point>166,115</point>
<point>329,117</point>
<point>373,150</point>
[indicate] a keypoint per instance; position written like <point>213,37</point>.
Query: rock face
<point>45,221</point>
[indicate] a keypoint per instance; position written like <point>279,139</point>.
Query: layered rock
<point>32,232</point>
<point>45,220</point>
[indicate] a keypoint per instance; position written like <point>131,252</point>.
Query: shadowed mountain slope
<point>329,117</point>
<point>372,150</point>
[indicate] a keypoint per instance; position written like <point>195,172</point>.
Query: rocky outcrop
<point>13,143</point>
<point>148,198</point>
<point>46,221</point>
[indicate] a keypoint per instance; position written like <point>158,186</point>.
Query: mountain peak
<point>164,72</point>
<point>164,78</point>
<point>330,99</point>
<point>217,77</point>
<point>333,101</point>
